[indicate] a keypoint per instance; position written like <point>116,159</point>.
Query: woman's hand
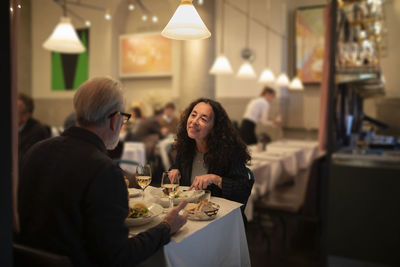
<point>174,174</point>
<point>202,181</point>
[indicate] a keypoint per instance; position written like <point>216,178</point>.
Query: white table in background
<point>219,242</point>
<point>133,151</point>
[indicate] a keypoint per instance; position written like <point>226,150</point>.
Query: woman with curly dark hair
<point>210,152</point>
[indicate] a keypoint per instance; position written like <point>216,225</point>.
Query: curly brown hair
<point>222,141</point>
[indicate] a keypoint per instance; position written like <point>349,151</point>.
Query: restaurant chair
<point>251,178</point>
<point>299,201</point>
<point>28,256</point>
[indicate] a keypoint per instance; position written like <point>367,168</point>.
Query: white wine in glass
<point>170,184</point>
<point>143,176</point>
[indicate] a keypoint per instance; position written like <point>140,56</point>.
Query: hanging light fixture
<point>267,76</point>
<point>186,24</point>
<point>221,64</point>
<point>246,70</point>
<point>282,80</point>
<point>64,38</point>
<point>296,84</point>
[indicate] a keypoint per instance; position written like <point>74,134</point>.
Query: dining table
<point>218,242</point>
<point>278,164</point>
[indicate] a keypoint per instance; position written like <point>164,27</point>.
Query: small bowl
<point>205,215</point>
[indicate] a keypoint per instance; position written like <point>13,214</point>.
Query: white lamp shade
<point>221,66</point>
<point>64,39</point>
<point>282,80</point>
<point>186,24</point>
<point>267,77</point>
<point>296,84</point>
<point>246,71</point>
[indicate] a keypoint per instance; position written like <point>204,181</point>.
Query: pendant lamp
<point>282,80</point>
<point>267,76</point>
<point>221,64</point>
<point>246,71</point>
<point>186,24</point>
<point>64,39</point>
<point>296,84</point>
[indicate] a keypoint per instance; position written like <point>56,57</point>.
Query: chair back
<point>28,256</point>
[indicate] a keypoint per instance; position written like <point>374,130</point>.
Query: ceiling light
<point>267,77</point>
<point>221,66</point>
<point>131,7</point>
<point>282,80</point>
<point>296,84</point>
<point>19,6</point>
<point>64,39</point>
<point>200,2</point>
<point>246,71</point>
<point>154,19</point>
<point>107,16</point>
<point>186,24</point>
<point>88,23</point>
<point>144,17</point>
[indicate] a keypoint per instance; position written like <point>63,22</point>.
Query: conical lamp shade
<point>296,84</point>
<point>246,71</point>
<point>282,80</point>
<point>221,66</point>
<point>267,77</point>
<point>186,24</point>
<point>64,39</point>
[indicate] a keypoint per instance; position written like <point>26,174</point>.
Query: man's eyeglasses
<point>127,116</point>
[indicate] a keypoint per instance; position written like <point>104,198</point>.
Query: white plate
<point>134,192</point>
<point>183,192</point>
<point>155,210</point>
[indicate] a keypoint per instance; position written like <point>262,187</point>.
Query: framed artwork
<point>69,71</point>
<point>145,55</point>
<point>310,34</point>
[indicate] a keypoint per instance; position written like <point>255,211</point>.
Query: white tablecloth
<point>280,163</point>
<point>219,242</point>
<point>133,151</point>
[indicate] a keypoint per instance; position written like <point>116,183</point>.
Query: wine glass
<point>170,183</point>
<point>143,176</point>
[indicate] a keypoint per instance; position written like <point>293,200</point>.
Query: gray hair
<point>96,99</point>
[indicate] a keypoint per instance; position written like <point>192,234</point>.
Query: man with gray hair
<point>73,198</point>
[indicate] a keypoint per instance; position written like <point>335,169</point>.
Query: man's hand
<point>175,220</point>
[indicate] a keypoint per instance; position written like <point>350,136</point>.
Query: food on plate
<point>203,210</point>
<point>203,205</point>
<point>138,210</point>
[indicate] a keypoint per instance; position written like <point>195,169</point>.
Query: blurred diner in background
<point>279,120</point>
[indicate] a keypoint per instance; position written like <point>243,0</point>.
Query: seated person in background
<point>149,132</point>
<point>73,198</point>
<point>31,130</point>
<point>133,125</point>
<point>169,121</point>
<point>210,152</point>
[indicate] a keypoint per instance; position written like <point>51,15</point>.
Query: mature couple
<point>72,197</point>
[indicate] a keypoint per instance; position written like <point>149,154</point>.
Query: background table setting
<point>278,164</point>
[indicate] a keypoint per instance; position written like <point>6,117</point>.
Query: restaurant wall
<point>51,107</point>
<point>298,109</point>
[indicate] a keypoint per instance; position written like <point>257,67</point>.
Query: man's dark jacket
<point>73,201</point>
